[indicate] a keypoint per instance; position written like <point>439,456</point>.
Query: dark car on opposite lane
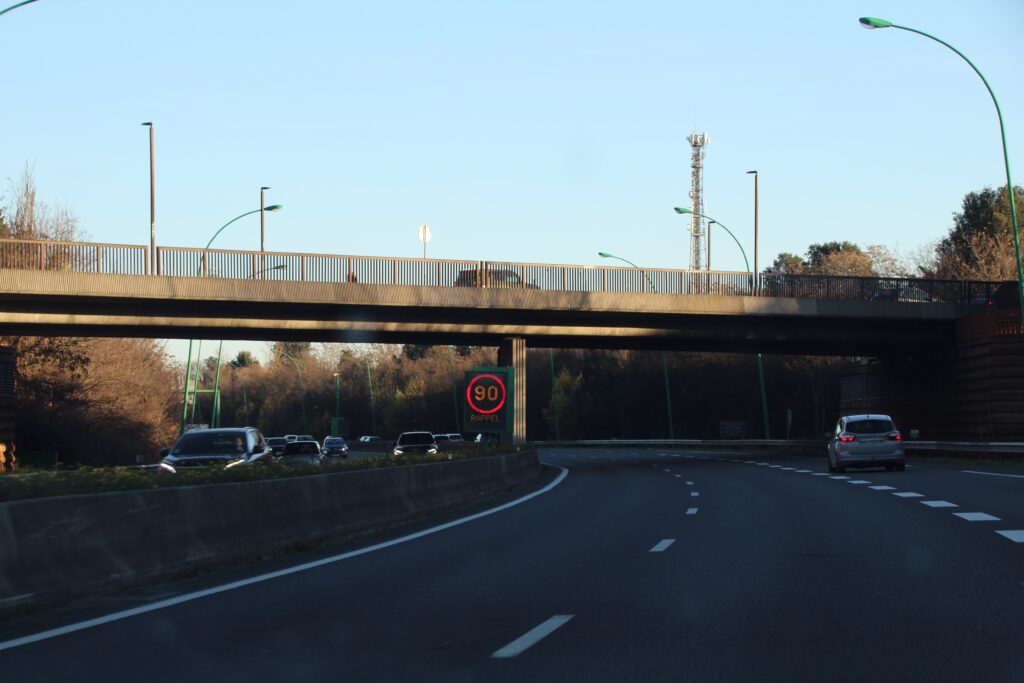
<point>335,447</point>
<point>414,442</point>
<point>227,447</point>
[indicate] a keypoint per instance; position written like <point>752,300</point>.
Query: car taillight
<point>846,438</point>
<point>895,436</point>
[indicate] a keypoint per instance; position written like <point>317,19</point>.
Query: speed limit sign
<point>488,404</point>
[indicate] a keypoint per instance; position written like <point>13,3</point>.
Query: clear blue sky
<point>527,131</point>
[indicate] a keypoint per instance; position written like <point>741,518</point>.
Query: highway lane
<point>640,565</point>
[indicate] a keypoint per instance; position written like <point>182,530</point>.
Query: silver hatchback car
<point>866,441</point>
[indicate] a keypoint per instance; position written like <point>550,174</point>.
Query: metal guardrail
<point>124,259</point>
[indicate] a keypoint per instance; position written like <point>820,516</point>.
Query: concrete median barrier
<point>54,548</point>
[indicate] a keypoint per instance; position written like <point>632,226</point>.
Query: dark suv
<point>228,447</point>
<point>492,277</point>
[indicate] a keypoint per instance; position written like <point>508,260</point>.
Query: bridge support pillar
<point>512,353</point>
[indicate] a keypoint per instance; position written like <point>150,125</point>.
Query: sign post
<point>489,400</point>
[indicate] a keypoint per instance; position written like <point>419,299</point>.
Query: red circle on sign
<point>469,394</point>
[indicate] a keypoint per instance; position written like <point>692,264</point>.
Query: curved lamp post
<point>664,360</point>
<point>760,361</point>
<point>17,5</point>
<point>220,348</point>
<point>302,383</point>
<point>873,23</point>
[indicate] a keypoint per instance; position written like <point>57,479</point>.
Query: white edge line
<point>532,637</point>
<point>188,597</point>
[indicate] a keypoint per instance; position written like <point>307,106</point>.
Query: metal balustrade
<point>122,259</point>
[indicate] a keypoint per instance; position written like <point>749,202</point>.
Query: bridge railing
<point>87,257</point>
<point>125,259</point>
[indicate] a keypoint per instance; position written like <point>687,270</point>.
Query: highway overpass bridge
<point>83,289</point>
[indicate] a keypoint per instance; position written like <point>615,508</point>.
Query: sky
<point>534,131</point>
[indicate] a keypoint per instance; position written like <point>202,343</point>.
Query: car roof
<point>868,416</point>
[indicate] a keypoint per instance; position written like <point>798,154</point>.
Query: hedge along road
<point>641,565</point>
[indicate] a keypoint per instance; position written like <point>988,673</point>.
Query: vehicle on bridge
<point>908,294</point>
<point>492,277</point>
<point>227,447</point>
<point>866,441</point>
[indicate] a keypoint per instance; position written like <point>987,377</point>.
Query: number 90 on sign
<point>486,394</point>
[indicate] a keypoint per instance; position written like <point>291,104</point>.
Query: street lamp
<point>373,409</point>
<point>755,174</point>
<point>873,23</point>
<point>710,223</point>
<point>262,227</point>
<point>152,202</point>
<point>17,5</point>
<point>760,361</point>
<point>302,383</point>
<point>280,266</point>
<point>220,348</point>
<point>337,398</point>
<point>664,360</point>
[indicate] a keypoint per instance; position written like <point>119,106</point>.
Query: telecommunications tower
<point>697,233</point>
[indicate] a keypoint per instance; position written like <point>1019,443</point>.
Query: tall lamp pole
<point>756,271</point>
<point>760,360</point>
<point>263,231</point>
<point>664,359</point>
<point>873,23</point>
<point>337,395</point>
<point>152,203</point>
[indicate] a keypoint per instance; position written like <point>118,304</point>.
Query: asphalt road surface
<point>635,566</point>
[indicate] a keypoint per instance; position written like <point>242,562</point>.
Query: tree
<point>787,264</point>
<point>244,359</point>
<point>32,219</point>
<point>980,246</point>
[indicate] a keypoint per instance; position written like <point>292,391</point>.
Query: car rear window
<point>869,427</point>
<point>334,442</point>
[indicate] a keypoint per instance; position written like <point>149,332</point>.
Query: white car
<point>866,441</point>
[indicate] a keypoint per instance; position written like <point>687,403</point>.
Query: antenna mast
<point>697,233</point>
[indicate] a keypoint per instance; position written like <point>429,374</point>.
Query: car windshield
<point>416,439</point>
<point>334,442</point>
<point>202,442</point>
<point>873,426</point>
<point>301,448</point>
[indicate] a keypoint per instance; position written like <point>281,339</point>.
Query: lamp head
<point>604,254</point>
<point>749,172</point>
<point>274,207</point>
<point>681,210</point>
<point>873,23</point>
<point>147,123</point>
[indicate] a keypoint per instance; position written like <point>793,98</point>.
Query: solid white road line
<point>976,517</point>
<point>908,494</point>
<point>882,488</point>
<point>188,597</point>
<point>938,504</point>
<point>691,511</point>
<point>532,637</point>
<point>994,474</point>
<point>1015,535</point>
<point>662,545</point>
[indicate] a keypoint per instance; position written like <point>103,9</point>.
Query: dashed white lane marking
<point>788,469</point>
<point>691,511</point>
<point>976,517</point>
<point>839,477</point>
<point>694,494</point>
<point>803,471</point>
<point>662,545</point>
<point>689,483</point>
<point>668,470</point>
<point>1015,535</point>
<point>819,474</point>
<point>678,476</point>
<point>882,488</point>
<point>776,467</point>
<point>532,637</point>
<point>908,494</point>
<point>939,504</point>
<point>994,474</point>
<point>858,481</point>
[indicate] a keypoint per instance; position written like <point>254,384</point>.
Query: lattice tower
<point>697,232</point>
